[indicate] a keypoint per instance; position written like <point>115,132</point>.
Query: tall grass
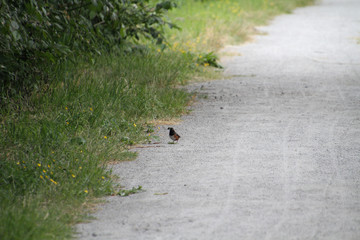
<point>55,145</point>
<point>209,25</point>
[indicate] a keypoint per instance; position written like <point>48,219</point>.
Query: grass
<point>209,25</point>
<point>56,143</point>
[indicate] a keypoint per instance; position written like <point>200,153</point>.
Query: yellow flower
<point>105,137</point>
<point>134,125</point>
<point>52,152</point>
<point>53,181</point>
<point>44,170</point>
<point>46,177</point>
<point>91,109</point>
<point>18,163</point>
<point>86,191</point>
<point>80,168</point>
<point>41,177</point>
<point>66,108</point>
<point>206,64</point>
<point>39,164</point>
<point>73,175</point>
<point>103,177</point>
<point>49,166</point>
<point>158,50</point>
<point>67,123</point>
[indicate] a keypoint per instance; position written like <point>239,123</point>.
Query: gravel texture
<point>272,152</point>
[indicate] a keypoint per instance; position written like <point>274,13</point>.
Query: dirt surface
<point>273,152</point>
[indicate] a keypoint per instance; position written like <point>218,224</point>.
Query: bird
<point>173,135</point>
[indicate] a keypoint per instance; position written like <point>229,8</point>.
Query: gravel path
<point>273,152</point>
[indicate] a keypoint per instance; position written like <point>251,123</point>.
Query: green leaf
<point>59,26</point>
<point>14,25</point>
<point>92,15</point>
<point>16,35</point>
<point>123,32</point>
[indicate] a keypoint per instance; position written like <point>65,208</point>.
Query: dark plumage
<point>173,135</point>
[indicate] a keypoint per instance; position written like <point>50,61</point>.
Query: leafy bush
<point>36,35</point>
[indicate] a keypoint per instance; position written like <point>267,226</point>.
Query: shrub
<point>37,35</point>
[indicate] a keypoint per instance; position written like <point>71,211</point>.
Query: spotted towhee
<point>173,135</point>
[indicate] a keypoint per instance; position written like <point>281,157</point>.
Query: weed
<point>125,193</point>
<point>208,59</point>
<point>55,145</point>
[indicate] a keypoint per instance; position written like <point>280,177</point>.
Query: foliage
<point>208,59</point>
<point>36,35</point>
<point>209,25</point>
<point>125,192</point>
<point>54,149</point>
